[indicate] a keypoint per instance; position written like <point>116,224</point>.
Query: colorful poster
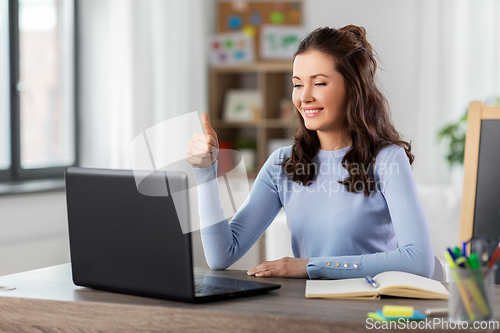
<point>231,48</point>
<point>250,16</point>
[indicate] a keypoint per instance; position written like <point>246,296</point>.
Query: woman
<point>346,183</point>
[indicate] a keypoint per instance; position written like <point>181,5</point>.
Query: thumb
<point>207,127</point>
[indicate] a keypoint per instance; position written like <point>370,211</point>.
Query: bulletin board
<point>249,16</point>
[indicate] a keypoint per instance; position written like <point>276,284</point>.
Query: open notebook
<point>390,283</point>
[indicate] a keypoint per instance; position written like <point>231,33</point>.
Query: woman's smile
<point>311,112</point>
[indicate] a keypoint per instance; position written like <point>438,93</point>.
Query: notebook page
<point>322,288</point>
<point>396,279</point>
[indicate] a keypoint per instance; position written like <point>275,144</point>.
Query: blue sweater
<point>343,234</point>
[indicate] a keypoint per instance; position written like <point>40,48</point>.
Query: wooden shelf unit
<point>273,80</point>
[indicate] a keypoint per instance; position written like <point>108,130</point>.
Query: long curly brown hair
<point>367,116</point>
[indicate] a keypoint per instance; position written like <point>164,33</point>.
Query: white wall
<point>33,231</point>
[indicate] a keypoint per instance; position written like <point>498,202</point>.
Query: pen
<point>474,261</point>
<point>480,247</point>
<point>462,262</point>
<point>457,252</point>
<point>471,283</point>
<point>477,291</point>
<point>452,254</point>
<point>461,287</point>
<point>371,281</point>
<point>477,296</point>
<point>494,257</point>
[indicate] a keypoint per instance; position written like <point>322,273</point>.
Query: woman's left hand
<point>284,267</point>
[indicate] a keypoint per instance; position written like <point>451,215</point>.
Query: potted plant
<point>247,146</point>
<point>455,132</point>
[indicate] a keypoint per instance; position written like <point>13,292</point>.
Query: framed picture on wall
<point>280,42</point>
<point>242,105</point>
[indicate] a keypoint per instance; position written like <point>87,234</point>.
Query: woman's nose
<point>307,95</point>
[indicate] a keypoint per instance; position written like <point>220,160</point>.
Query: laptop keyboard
<point>209,289</point>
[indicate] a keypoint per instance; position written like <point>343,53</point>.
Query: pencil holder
<point>471,294</point>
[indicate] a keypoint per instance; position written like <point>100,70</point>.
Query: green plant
<point>455,132</point>
<point>246,143</point>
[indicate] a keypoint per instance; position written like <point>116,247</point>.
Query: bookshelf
<point>273,81</point>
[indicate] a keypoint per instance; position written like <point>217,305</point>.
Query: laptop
<point>127,242</point>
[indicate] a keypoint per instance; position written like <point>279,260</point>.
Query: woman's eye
<point>296,85</point>
<point>321,84</point>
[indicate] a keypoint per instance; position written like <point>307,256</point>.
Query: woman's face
<point>319,92</point>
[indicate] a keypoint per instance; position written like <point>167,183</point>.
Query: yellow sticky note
<point>249,31</point>
<point>397,311</point>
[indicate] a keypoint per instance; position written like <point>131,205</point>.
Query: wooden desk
<point>46,300</point>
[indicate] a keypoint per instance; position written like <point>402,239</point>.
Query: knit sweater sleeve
<point>414,253</point>
<point>225,242</point>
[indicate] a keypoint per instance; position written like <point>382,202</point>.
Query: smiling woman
<point>340,105</point>
<point>346,183</point>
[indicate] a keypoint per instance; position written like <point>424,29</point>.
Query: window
<point>4,88</point>
<point>37,88</point>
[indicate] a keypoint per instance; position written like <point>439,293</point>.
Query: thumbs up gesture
<point>203,148</point>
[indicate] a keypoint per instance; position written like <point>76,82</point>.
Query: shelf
<point>234,124</point>
<point>277,123</point>
<point>273,80</point>
<point>268,67</point>
<point>264,123</point>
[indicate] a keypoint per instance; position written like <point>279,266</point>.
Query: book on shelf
<point>391,283</point>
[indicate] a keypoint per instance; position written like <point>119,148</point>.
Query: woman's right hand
<point>203,148</point>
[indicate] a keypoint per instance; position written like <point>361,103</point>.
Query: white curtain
<point>142,62</point>
<point>458,61</point>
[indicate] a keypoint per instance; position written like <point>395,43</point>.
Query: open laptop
<point>124,241</point>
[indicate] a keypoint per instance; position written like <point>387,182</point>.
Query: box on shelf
<point>242,105</point>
